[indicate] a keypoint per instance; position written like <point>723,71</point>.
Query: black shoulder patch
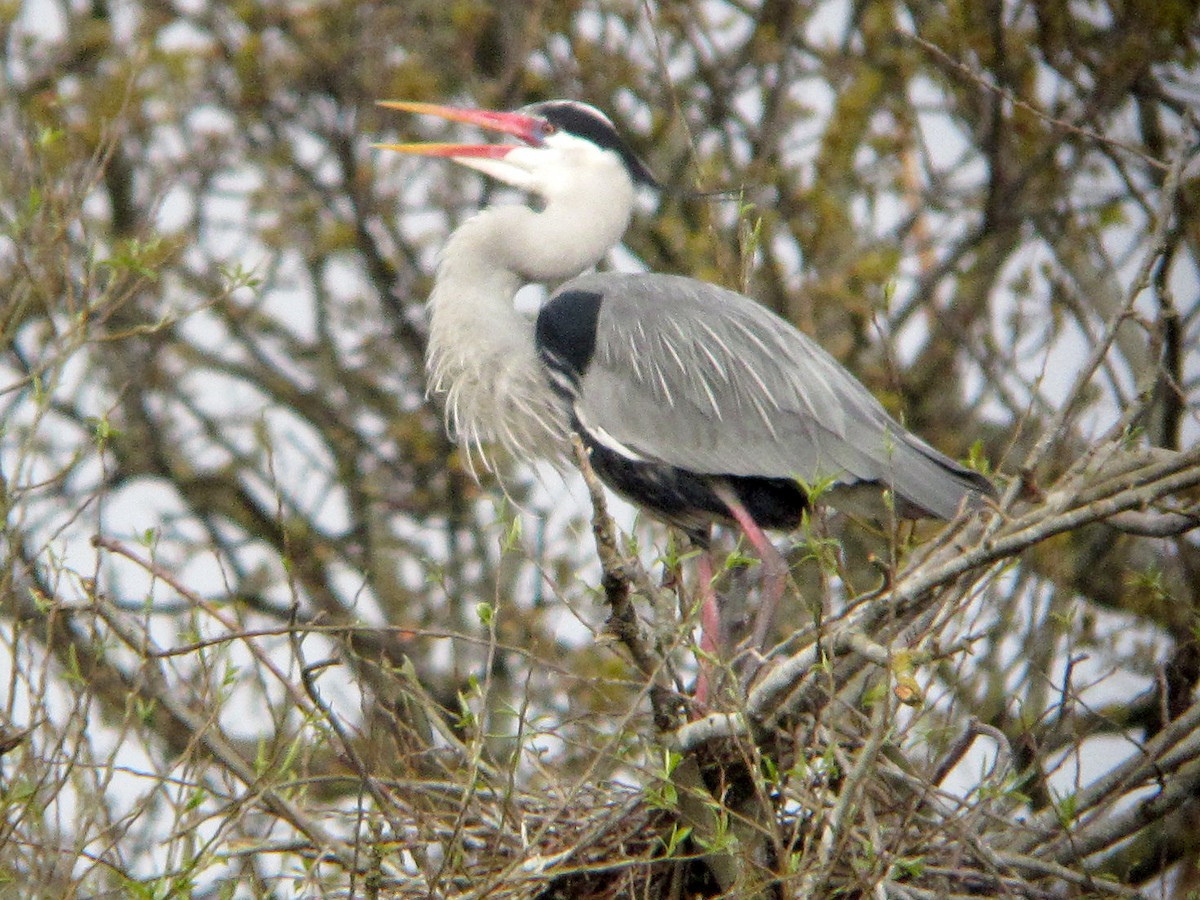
<point>566,332</point>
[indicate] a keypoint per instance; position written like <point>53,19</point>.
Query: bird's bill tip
<point>414,106</point>
<point>519,125</point>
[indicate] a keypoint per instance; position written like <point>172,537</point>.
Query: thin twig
<point>233,626</point>
<point>1009,97</point>
<point>207,734</point>
<point>618,593</point>
<point>1155,248</point>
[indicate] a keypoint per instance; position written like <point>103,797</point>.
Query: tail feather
<point>933,483</point>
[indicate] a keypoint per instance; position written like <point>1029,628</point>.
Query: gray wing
<point>704,379</point>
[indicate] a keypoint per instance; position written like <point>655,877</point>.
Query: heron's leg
<point>774,567</point>
<point>710,622</point>
<point>710,613</point>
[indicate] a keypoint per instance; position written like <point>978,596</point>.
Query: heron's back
<point>670,371</point>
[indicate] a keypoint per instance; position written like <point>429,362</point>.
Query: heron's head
<point>563,144</point>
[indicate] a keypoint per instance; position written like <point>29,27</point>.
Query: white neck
<point>481,352</point>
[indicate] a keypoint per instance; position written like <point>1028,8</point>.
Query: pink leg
<point>710,622</point>
<point>774,568</point>
<point>710,614</point>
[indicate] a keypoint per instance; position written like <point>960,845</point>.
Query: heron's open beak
<point>511,163</point>
<point>525,128</point>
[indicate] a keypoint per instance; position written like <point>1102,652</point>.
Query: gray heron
<point>694,402</point>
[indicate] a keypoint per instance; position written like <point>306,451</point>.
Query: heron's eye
<point>548,128</point>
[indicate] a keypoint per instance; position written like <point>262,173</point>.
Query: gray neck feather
<point>482,355</point>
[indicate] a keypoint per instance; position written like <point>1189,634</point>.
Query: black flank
<point>687,499</point>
